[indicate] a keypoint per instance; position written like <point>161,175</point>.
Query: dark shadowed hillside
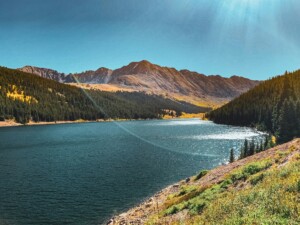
<point>274,105</point>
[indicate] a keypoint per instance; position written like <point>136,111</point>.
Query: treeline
<point>272,106</point>
<point>26,97</point>
<point>252,147</point>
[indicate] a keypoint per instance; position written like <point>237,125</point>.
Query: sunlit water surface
<point>85,173</point>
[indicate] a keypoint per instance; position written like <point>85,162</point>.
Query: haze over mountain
<point>147,77</point>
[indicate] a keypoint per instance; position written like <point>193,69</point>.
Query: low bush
<point>201,174</point>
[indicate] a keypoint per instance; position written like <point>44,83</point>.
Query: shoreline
<point>150,207</point>
<point>15,124</point>
<point>11,123</point>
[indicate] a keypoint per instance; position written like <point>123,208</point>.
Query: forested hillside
<point>274,105</point>
<point>26,97</point>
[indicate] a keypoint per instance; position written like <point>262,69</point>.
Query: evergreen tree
<point>287,91</point>
<point>244,150</point>
<point>286,124</point>
<point>275,117</point>
<point>266,142</point>
<point>231,157</point>
<point>251,148</point>
<point>257,148</point>
<point>261,148</point>
<point>297,112</point>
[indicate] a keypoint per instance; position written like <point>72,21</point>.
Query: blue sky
<point>253,38</point>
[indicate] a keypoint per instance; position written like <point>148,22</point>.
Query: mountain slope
<point>45,73</point>
<point>25,97</point>
<point>274,105</point>
<point>185,82</point>
<point>100,76</point>
<point>150,78</point>
<point>261,189</point>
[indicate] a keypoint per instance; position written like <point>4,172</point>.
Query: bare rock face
<point>100,76</point>
<point>165,79</point>
<point>145,76</point>
<point>45,73</point>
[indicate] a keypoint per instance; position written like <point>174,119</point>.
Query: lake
<point>85,173</point>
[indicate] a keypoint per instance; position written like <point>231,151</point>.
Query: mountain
<point>45,73</point>
<point>260,189</point>
<point>100,76</point>
<point>26,97</point>
<point>154,77</point>
<point>150,78</point>
<point>274,106</point>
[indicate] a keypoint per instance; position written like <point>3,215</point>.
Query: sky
<point>252,38</point>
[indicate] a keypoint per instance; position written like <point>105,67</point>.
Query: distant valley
<point>143,76</point>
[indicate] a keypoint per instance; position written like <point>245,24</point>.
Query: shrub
<point>172,210</point>
<point>226,183</point>
<point>250,170</point>
<point>197,208</point>
<point>201,174</point>
<point>257,178</point>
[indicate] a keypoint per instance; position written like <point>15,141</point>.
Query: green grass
<point>248,170</point>
<point>262,192</point>
<point>271,199</point>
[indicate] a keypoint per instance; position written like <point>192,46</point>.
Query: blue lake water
<point>85,173</point>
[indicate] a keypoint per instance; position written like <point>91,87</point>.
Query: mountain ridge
<point>151,78</point>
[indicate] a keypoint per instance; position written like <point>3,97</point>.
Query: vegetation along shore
<point>260,189</point>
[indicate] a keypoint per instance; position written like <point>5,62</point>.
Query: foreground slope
<point>261,189</point>
<point>274,105</point>
<point>147,77</point>
<point>25,97</point>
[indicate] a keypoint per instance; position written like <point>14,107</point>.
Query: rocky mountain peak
<point>142,67</point>
<point>103,70</point>
<point>44,72</point>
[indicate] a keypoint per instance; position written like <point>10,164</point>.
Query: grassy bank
<point>261,189</point>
